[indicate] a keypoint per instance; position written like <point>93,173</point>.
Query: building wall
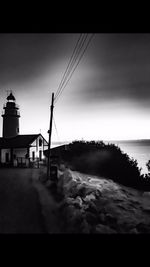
<point>10,126</point>
<point>20,152</point>
<point>31,150</point>
<point>3,154</point>
<point>20,159</point>
<point>36,148</point>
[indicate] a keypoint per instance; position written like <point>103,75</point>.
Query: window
<point>14,156</point>
<point>40,155</point>
<point>33,155</point>
<point>40,142</point>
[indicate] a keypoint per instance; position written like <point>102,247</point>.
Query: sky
<point>107,98</point>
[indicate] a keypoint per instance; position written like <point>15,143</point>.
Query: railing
<point>27,162</point>
<point>10,113</point>
<point>11,104</point>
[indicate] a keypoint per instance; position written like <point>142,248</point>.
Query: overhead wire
<point>59,152</point>
<point>71,67</point>
<point>65,73</point>
<point>80,57</point>
<point>72,62</point>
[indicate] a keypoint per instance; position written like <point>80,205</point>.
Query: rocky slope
<point>97,205</point>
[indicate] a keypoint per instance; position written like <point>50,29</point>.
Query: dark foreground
<point>20,210</point>
<point>89,204</point>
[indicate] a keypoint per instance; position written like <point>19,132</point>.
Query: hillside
<point>94,204</point>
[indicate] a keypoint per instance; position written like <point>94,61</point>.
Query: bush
<point>104,160</point>
<point>146,178</point>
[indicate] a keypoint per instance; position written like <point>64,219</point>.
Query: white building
<point>15,149</point>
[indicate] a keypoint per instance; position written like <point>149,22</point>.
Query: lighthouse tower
<point>10,117</point>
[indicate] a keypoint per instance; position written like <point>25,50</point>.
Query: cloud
<point>26,56</point>
<point>112,78</point>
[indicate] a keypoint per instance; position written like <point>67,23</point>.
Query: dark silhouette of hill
<point>106,160</point>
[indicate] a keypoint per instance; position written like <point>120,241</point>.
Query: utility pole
<point>50,133</point>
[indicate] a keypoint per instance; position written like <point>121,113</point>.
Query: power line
<point>58,96</point>
<point>71,59</point>
<point>74,59</point>
<point>77,53</point>
<point>65,73</point>
<point>76,66</point>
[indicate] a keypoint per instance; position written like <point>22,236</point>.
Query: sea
<point>136,149</point>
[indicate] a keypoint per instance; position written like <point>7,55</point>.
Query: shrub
<point>146,178</point>
<point>105,160</point>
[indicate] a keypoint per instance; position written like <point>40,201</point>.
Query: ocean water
<point>136,149</point>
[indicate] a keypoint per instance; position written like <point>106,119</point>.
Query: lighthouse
<point>22,150</point>
<point>10,117</point>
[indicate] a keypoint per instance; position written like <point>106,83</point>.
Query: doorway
<point>33,155</point>
<point>7,157</point>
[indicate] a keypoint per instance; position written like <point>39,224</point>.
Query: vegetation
<point>105,160</point>
<point>146,180</point>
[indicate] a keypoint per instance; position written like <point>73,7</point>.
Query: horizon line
<point>103,140</point>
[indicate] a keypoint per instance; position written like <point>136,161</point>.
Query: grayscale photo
<point>75,133</point>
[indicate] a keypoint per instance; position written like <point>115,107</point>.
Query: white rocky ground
<point>97,205</point>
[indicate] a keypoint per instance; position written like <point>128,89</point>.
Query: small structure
<point>19,150</point>
<point>22,150</point>
<point>56,153</point>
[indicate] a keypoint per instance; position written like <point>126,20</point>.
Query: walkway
<point>20,208</point>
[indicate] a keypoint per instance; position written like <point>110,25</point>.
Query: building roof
<point>56,151</point>
<point>19,141</point>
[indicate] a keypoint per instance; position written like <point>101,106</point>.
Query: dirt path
<point>20,210</point>
<point>49,209</point>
